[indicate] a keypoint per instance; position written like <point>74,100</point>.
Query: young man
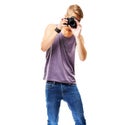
<point>59,42</point>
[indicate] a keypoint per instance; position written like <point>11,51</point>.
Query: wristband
<point>57,30</point>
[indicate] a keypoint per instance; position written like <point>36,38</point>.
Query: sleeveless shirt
<point>60,59</point>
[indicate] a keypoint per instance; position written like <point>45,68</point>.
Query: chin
<point>68,28</point>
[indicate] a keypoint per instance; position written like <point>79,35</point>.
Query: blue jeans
<point>70,94</point>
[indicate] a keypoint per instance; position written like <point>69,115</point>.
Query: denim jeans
<point>70,94</point>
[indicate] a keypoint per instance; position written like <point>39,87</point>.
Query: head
<point>74,11</point>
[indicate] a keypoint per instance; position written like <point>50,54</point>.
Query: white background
<point>22,23</point>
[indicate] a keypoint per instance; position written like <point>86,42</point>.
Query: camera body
<point>72,22</point>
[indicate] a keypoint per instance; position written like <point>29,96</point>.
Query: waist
<point>58,83</point>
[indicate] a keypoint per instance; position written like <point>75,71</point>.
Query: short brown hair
<point>76,9</point>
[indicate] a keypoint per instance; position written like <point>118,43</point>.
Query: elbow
<point>43,49</point>
<point>83,58</point>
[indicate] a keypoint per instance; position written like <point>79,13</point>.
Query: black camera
<point>72,22</point>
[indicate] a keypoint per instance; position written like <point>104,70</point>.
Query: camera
<point>71,22</point>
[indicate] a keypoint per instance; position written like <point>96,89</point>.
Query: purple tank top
<point>60,58</point>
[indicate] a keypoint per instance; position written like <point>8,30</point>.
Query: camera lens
<point>72,22</point>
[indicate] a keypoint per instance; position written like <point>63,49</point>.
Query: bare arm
<point>50,34</point>
<point>80,42</point>
<point>81,48</point>
<point>48,37</point>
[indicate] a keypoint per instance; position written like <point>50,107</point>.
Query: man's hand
<point>77,31</point>
<point>62,23</point>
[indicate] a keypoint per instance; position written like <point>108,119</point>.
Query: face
<point>69,16</point>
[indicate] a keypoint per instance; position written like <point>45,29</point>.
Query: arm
<point>80,42</point>
<point>81,48</point>
<point>48,37</point>
<point>50,34</point>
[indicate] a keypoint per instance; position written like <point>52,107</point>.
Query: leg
<point>53,100</point>
<point>73,99</point>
